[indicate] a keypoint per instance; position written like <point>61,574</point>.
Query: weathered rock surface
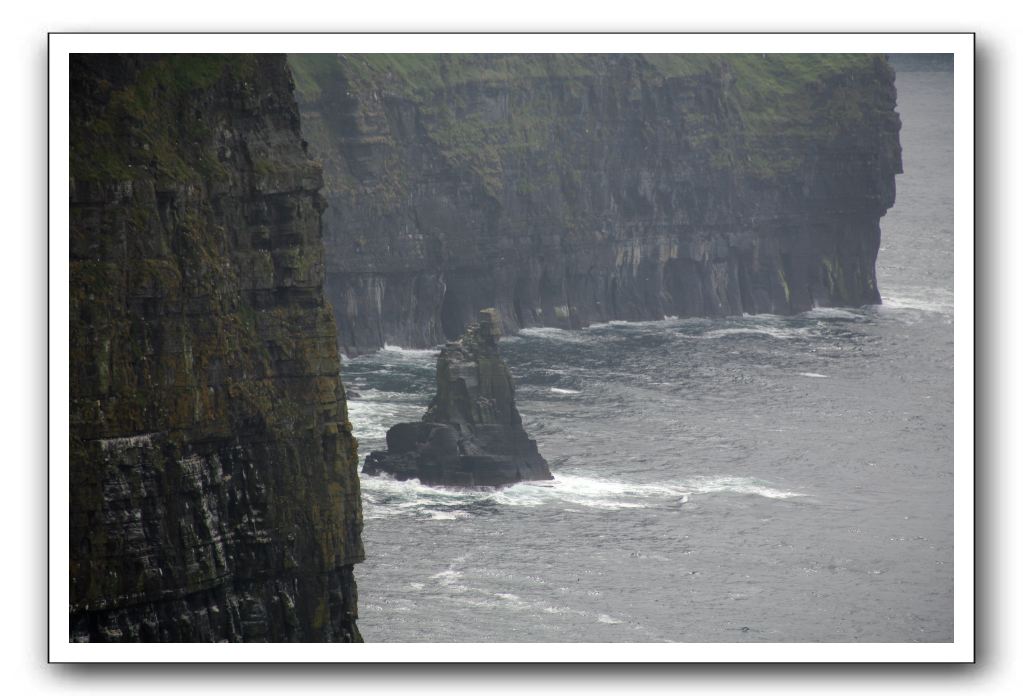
<point>472,434</point>
<point>213,474</point>
<point>570,189</point>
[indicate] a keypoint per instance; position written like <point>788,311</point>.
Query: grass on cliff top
<point>768,98</point>
<point>313,72</point>
<point>771,70</point>
<point>770,90</point>
<point>145,122</point>
<point>420,73</point>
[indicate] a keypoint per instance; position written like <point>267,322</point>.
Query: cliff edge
<point>569,189</point>
<point>213,474</point>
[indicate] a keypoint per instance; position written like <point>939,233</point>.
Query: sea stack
<point>472,433</point>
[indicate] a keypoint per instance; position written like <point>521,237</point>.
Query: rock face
<point>213,474</point>
<point>471,434</point>
<point>568,189</point>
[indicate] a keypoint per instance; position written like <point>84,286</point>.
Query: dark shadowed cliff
<point>566,189</point>
<point>213,481</point>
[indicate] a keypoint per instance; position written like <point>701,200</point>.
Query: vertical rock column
<point>472,433</point>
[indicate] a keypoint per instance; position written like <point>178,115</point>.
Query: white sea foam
<point>385,497</point>
<point>410,352</point>
<point>811,374</point>
<point>371,417</point>
<point>557,390</point>
<point>932,300</point>
<point>626,323</point>
<point>444,515</point>
<point>783,333</point>
<point>450,579</point>
<point>447,577</point>
<point>740,485</point>
<point>917,304</point>
<point>372,394</point>
<point>554,334</point>
<point>832,313</point>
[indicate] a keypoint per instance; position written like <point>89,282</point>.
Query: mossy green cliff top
<point>565,189</point>
<point>801,98</point>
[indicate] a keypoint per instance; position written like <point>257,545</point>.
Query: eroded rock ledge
<point>472,434</point>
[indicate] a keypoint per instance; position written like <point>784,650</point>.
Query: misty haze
<point>538,347</point>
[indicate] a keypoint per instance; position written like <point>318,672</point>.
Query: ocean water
<point>757,478</point>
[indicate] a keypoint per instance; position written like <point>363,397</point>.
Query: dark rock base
<point>435,454</point>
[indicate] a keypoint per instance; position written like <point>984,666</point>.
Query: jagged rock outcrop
<point>568,189</point>
<point>213,474</point>
<point>472,434</point>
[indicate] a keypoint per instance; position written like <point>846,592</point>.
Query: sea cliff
<point>213,474</point>
<point>569,189</point>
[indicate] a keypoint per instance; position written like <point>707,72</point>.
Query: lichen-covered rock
<point>567,189</point>
<point>472,434</point>
<point>213,474</point>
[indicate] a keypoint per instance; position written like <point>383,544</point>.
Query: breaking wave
<point>386,497</point>
<point>784,333</point>
<point>554,334</point>
<point>412,354</point>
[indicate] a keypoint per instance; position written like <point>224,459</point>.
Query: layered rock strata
<point>472,434</point>
<point>213,474</point>
<point>570,189</point>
